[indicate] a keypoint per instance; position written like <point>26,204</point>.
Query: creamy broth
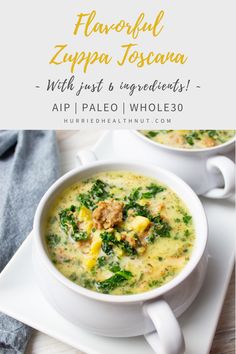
<point>190,139</point>
<point>119,233</point>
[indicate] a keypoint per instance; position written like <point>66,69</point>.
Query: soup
<point>119,233</point>
<point>190,139</point>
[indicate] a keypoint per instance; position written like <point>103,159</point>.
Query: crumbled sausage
<point>160,207</point>
<point>108,214</point>
<point>176,138</point>
<point>132,241</point>
<point>209,142</point>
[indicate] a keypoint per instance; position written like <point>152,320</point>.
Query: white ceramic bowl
<point>151,313</point>
<point>210,172</point>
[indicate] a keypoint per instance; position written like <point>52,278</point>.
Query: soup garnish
<point>190,139</point>
<point>119,233</point>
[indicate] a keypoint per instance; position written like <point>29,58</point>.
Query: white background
<point>203,30</point>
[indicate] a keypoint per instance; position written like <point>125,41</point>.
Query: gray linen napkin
<point>28,166</point>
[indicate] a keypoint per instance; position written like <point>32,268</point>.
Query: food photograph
<point>117,241</point>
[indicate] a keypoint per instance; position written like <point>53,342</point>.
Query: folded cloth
<point>28,166</point>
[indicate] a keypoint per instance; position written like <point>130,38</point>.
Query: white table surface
<point>69,143</point>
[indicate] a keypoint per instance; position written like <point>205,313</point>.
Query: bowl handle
<point>85,156</point>
<point>226,167</point>
<point>168,337</point>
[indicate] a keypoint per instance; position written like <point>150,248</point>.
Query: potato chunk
<point>85,219</point>
<point>85,214</point>
<point>138,224</point>
<point>95,249</point>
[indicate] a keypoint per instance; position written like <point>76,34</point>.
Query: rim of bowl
<point>140,297</point>
<point>172,148</point>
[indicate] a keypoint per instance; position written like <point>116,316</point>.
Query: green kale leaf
<point>70,226</point>
<point>187,218</point>
<point>152,191</point>
<point>53,240</point>
<point>106,286</point>
<point>99,191</point>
